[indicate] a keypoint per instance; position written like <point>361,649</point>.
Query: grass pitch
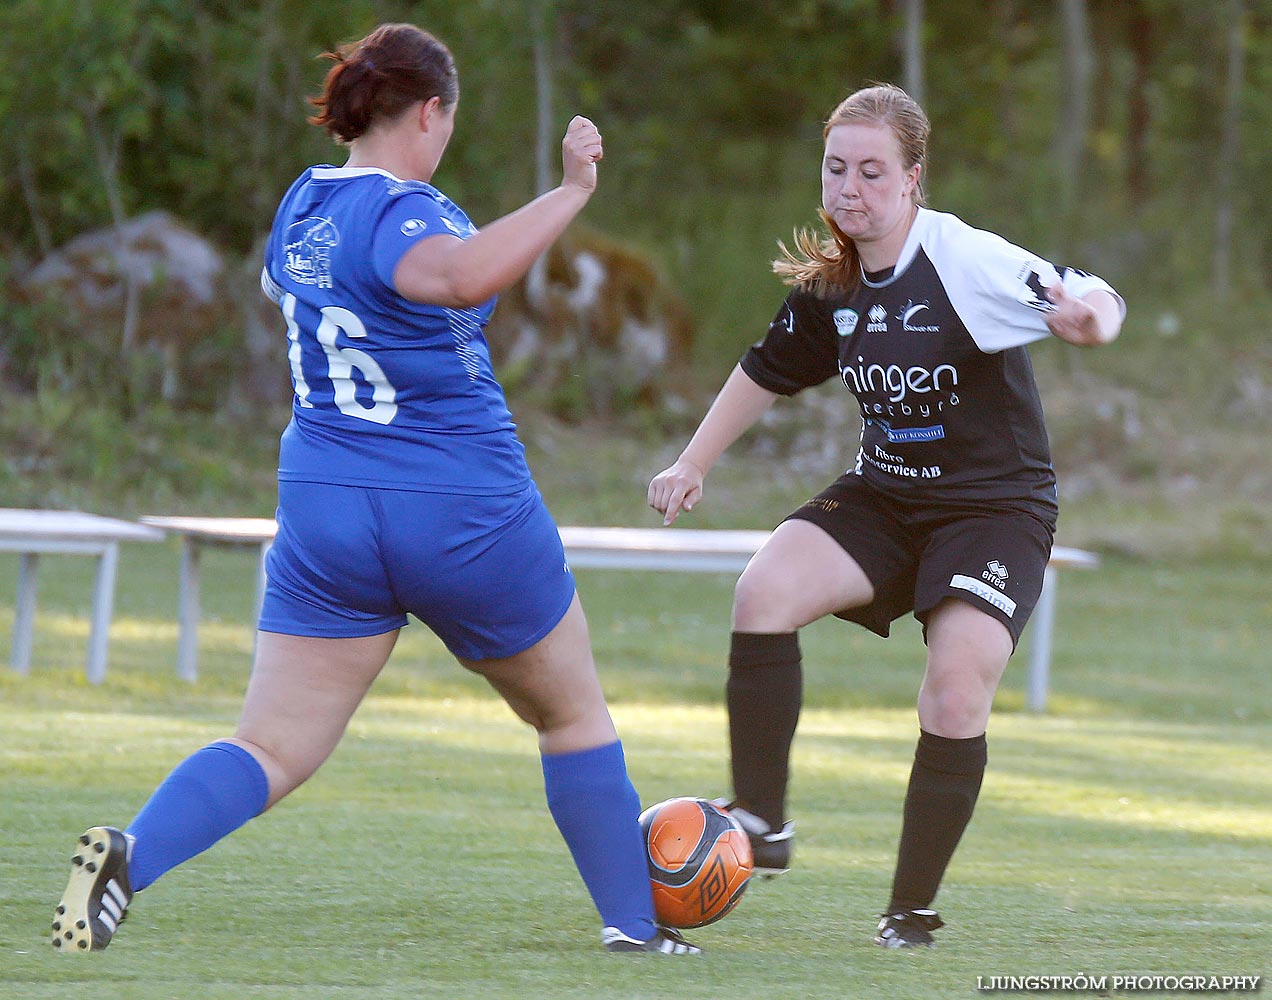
<point>1127,831</point>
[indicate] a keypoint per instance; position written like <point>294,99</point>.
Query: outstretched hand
<point>581,149</point>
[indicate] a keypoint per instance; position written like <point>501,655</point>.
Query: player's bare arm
<point>447,271</point>
<point>738,406</point>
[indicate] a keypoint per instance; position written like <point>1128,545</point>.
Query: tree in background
<point>711,111</point>
<point>1229,148</point>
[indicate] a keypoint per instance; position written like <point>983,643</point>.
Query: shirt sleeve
<point>409,219</point>
<point>998,289</point>
<point>799,350</point>
<point>271,288</point>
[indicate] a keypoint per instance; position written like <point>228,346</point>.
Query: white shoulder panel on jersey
<point>273,291</point>
<point>995,286</point>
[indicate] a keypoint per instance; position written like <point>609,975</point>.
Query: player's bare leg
<point>300,697</point>
<point>799,575</point>
<point>968,651</point>
<point>299,700</point>
<point>553,686</point>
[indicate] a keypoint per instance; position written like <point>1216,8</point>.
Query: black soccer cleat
<point>770,851</point>
<point>666,941</point>
<point>908,929</point>
<point>97,896</point>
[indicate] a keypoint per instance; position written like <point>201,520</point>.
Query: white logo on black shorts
<point>987,594</point>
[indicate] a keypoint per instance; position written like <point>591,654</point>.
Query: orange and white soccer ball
<point>699,860</point>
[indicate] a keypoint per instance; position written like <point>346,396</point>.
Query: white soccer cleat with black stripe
<point>97,896</point>
<point>665,941</point>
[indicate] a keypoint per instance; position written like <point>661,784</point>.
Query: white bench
<point>690,550</point>
<point>685,550</point>
<point>219,532</point>
<point>32,533</point>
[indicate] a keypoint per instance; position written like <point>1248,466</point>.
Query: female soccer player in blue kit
<point>951,507</point>
<point>402,488</point>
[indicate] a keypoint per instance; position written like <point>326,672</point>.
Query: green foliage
<point>711,113</point>
<point>200,107</point>
<point>69,448</point>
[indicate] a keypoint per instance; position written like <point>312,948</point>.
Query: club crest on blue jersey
<point>307,251</point>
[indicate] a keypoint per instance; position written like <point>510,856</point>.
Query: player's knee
<point>762,604</point>
<point>957,711</point>
<point>286,769</point>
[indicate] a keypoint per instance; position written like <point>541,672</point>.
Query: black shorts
<point>916,555</point>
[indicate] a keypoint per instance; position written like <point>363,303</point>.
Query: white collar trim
<point>338,173</point>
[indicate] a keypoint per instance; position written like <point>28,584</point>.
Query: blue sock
<point>211,793</point>
<point>597,809</point>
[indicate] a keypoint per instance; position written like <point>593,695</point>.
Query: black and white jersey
<point>935,355</point>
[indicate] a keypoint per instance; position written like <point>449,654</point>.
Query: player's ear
<point>430,110</point>
<point>912,178</point>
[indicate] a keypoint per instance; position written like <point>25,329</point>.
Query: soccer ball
<point>699,861</point>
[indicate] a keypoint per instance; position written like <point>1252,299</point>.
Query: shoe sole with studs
<point>97,894</point>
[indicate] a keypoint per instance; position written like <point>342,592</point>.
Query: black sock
<point>763,694</point>
<point>944,784</point>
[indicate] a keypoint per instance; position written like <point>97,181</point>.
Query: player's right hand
<point>676,488</point>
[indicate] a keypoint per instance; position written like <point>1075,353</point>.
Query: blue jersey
<point>388,393</point>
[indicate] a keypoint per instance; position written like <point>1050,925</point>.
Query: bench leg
<point>188,612</point>
<point>24,611</point>
<point>1041,626</point>
<point>103,605</point>
<point>261,582</point>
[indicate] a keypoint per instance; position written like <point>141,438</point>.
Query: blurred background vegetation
<point>1128,137</point>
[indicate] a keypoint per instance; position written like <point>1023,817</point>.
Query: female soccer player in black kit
<point>950,509</point>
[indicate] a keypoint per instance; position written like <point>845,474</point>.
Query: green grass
<point>1129,830</point>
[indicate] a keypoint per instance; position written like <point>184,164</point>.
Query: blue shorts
<point>486,573</point>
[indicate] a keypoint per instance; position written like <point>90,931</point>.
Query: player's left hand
<point>1094,319</point>
<point>581,150</point>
